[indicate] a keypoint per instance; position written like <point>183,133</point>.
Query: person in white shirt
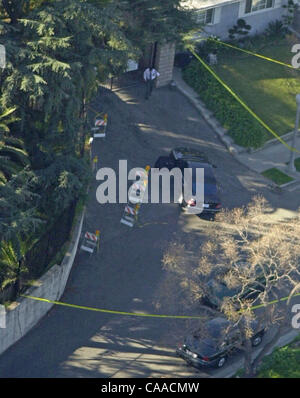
<point>150,75</point>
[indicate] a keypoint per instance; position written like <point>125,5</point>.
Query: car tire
<point>212,217</point>
<point>221,362</point>
<point>256,341</point>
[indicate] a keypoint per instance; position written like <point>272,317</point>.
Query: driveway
<point>126,274</point>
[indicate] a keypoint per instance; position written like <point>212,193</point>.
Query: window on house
<point>205,17</point>
<point>256,5</point>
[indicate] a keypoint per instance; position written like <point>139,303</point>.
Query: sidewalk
<point>273,155</point>
<point>237,365</point>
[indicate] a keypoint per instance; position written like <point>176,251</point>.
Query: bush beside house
<point>241,126</point>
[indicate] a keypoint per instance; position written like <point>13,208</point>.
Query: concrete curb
<point>283,340</point>
<point>232,148</point>
<point>208,116</point>
<point>24,314</point>
<point>274,141</point>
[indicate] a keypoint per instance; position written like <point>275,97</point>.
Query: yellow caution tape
<point>111,311</point>
<point>252,53</point>
<point>273,302</point>
<point>243,103</point>
<point>81,307</point>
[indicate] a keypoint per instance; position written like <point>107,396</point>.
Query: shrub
<point>283,363</point>
<point>239,30</point>
<point>276,29</point>
<point>242,127</point>
<point>208,46</point>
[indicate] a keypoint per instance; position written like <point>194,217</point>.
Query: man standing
<point>150,75</point>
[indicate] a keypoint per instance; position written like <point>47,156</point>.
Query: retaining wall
<point>25,313</point>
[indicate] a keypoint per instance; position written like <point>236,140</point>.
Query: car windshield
<point>187,153</point>
<point>221,290</point>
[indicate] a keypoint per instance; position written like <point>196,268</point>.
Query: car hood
<point>205,347</point>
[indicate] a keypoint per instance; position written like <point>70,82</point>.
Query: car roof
<point>209,345</point>
<point>210,181</point>
<point>208,170</point>
<point>216,326</point>
<point>221,290</point>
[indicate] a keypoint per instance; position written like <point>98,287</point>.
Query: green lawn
<point>269,89</point>
<point>277,176</point>
<point>284,362</point>
<point>297,164</point>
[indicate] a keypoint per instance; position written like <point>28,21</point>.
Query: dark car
<point>219,340</point>
<point>212,202</point>
<point>218,290</point>
<point>183,59</point>
<point>184,153</point>
<point>178,155</point>
<point>165,161</point>
<point>193,159</point>
<point>187,158</point>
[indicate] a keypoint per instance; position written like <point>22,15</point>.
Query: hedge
<point>284,362</point>
<point>241,126</point>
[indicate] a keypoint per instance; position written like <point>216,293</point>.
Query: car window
<point>172,157</point>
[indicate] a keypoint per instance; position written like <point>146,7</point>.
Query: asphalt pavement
<point>127,274</point>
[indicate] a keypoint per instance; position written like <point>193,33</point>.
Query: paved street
<point>126,274</point>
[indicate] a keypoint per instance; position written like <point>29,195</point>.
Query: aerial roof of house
<point>202,4</point>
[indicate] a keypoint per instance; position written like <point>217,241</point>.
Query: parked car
<point>217,290</point>
<point>193,159</point>
<point>187,158</point>
<point>184,153</point>
<point>220,339</point>
<point>183,59</point>
<point>212,202</point>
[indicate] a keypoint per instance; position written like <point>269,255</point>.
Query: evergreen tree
<point>18,206</point>
<point>16,9</point>
<point>12,260</point>
<point>149,21</point>
<point>57,52</point>
<point>13,157</point>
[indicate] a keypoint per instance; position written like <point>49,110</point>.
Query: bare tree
<point>256,260</point>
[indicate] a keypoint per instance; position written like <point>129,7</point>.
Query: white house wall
<point>230,13</point>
